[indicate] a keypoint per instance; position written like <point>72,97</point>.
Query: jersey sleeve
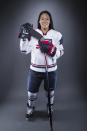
<point>59,45</point>
<point>25,46</point>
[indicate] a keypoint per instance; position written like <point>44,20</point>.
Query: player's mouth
<point>44,24</point>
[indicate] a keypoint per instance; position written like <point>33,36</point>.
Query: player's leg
<point>34,82</point>
<point>52,84</point>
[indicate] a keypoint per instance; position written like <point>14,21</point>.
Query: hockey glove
<point>47,47</point>
<point>24,31</point>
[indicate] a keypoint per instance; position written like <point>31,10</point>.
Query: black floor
<point>69,114</point>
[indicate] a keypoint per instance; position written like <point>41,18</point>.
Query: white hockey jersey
<point>38,62</point>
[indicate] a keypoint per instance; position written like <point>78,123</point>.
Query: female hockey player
<point>37,72</point>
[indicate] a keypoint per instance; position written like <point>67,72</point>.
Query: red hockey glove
<point>46,46</point>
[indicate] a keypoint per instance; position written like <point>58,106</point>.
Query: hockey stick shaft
<point>49,102</point>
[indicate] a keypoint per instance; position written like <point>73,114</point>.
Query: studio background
<point>69,18</point>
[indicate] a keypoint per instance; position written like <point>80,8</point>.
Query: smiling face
<point>44,21</point>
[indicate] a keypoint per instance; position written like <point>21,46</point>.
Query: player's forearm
<point>24,45</point>
<point>60,51</point>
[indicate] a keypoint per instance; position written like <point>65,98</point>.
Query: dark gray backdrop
<point>69,18</point>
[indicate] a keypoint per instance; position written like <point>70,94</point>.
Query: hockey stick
<point>49,103</point>
<point>39,36</point>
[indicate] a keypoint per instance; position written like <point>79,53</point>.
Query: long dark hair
<point>51,21</point>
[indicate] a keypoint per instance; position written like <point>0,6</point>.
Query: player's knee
<point>32,96</point>
<point>51,93</point>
